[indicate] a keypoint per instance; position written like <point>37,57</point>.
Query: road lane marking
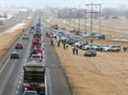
<point>18,86</point>
<point>5,64</point>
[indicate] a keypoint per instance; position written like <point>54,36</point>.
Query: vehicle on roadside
<point>92,47</point>
<point>96,47</point>
<point>25,37</point>
<point>15,55</point>
<point>86,47</point>
<point>90,53</point>
<point>106,48</point>
<point>115,48</point>
<point>111,48</point>
<point>100,36</point>
<point>79,44</point>
<point>30,93</point>
<point>19,46</point>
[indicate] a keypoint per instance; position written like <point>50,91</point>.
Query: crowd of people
<point>58,42</point>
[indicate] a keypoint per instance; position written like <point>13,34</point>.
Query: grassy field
<point>8,37</point>
<point>106,74</point>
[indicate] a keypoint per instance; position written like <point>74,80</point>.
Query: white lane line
<point>5,81</point>
<point>5,64</point>
<point>46,86</point>
<point>18,86</point>
<point>48,82</point>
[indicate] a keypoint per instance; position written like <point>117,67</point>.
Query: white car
<point>86,47</point>
<point>112,48</point>
<point>106,48</point>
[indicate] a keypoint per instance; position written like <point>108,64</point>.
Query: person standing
<point>73,50</point>
<point>64,44</point>
<point>58,41</point>
<point>77,51</point>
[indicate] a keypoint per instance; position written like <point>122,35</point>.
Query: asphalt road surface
<point>10,73</point>
<point>57,81</point>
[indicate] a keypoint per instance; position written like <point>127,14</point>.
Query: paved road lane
<point>10,73</point>
<point>57,83</point>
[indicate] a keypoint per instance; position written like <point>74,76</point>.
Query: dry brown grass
<point>106,74</point>
<point>8,38</point>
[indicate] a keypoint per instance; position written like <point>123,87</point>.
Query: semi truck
<point>34,78</point>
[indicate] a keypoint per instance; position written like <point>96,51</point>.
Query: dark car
<point>25,37</point>
<point>90,53</point>
<point>100,36</point>
<point>30,93</point>
<point>19,46</point>
<point>14,55</point>
<point>37,35</point>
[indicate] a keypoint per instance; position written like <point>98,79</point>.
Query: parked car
<point>25,37</point>
<point>86,47</point>
<point>79,44</point>
<point>100,36</point>
<point>115,48</point>
<point>14,55</point>
<point>106,48</point>
<point>111,48</point>
<point>90,53</point>
<point>19,46</point>
<point>96,47</point>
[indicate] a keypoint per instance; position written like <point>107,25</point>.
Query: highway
<point>11,73</point>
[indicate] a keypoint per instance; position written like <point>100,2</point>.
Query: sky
<point>61,3</point>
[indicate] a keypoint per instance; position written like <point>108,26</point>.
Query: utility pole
<point>79,21</point>
<point>93,10</point>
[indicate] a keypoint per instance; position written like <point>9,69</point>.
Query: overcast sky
<point>62,3</point>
